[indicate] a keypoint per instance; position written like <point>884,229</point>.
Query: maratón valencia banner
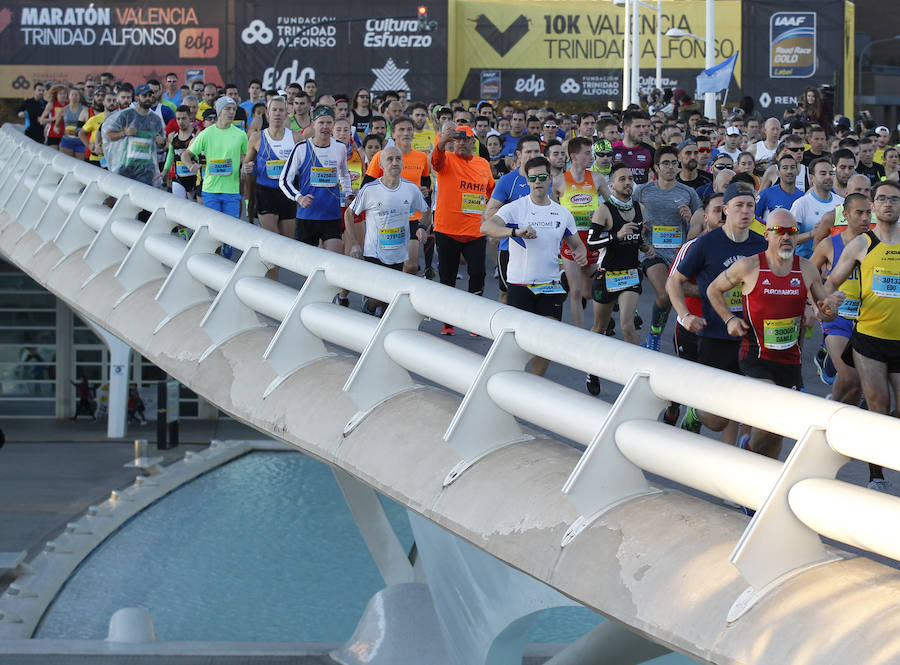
<point>574,50</point>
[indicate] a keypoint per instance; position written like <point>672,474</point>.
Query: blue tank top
<point>271,157</point>
<point>315,178</point>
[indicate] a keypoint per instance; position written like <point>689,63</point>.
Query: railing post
<point>180,291</point>
<point>139,267</point>
<point>74,233</point>
<point>105,250</point>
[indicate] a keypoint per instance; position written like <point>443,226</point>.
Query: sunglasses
<point>723,166</point>
<point>604,154</point>
<point>549,126</point>
<point>783,230</point>
<point>704,149</point>
<point>542,177</point>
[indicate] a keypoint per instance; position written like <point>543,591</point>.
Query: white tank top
<point>282,149</point>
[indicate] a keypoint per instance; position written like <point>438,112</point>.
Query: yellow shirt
<point>91,127</point>
<point>424,140</point>
<point>201,107</point>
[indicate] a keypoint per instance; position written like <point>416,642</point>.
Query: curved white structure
<point>686,573</point>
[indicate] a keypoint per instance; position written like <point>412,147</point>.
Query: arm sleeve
<point>170,158</point>
<point>598,237</point>
<point>287,179</point>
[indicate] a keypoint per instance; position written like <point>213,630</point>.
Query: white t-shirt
<point>387,218</point>
<point>535,261</point>
<point>808,210</point>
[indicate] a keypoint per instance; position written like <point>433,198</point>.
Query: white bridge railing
<point>84,210</point>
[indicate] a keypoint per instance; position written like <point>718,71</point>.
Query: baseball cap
<point>733,131</point>
<point>881,129</point>
<point>736,189</point>
<point>222,102</point>
<point>602,147</point>
<point>322,110</point>
<point>210,114</point>
<point>143,89</point>
<point>842,122</point>
<point>684,144</point>
<point>468,131</point>
<point>100,90</point>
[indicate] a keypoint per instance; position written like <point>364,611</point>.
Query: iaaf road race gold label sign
<point>792,43</point>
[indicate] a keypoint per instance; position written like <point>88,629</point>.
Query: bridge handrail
<point>61,199</point>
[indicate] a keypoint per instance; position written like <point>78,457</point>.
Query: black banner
<point>344,46</point>
<point>793,46</point>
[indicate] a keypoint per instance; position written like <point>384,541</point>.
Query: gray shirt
<point>138,157</point>
<point>664,227</point>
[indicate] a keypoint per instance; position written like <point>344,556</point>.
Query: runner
<point>30,111</point>
<point>784,193</point>
<point>775,285</point>
<point>809,208</point>
<point>632,149</point>
<point>267,152</point>
<point>857,211</point>
<point>70,119</point>
<point>616,231</point>
<point>316,177</point>
<point>417,171</point>
<point>668,206</point>
<point>711,255</point>
<point>690,173</point>
<point>875,340</point>
<point>224,146</point>
<point>509,188</point>
<point>536,226</point>
<point>388,204</point>
<point>141,131</point>
<point>182,180</point>
<point>90,132</point>
<point>579,191</point>
<point>464,182</point>
<point>834,222</point>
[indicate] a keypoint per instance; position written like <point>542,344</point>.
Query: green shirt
<point>224,149</point>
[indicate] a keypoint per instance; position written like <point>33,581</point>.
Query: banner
<point>344,46</point>
<point>575,50</point>
<point>135,40</point>
<point>797,46</point>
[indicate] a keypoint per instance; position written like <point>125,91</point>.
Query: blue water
<point>261,549</point>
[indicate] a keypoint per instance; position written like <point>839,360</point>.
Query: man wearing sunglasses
<point>875,341</point>
<point>794,145</point>
<point>536,226</point>
<point>774,286</point>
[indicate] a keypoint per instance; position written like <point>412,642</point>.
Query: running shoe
<point>670,415</point>
<point>653,341</point>
<point>638,321</point>
<point>611,328</point>
<point>447,330</point>
<point>878,484</point>
<point>823,368</point>
<point>691,421</point>
<point>592,383</point>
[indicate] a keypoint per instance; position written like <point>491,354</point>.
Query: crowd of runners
<point>762,234</point>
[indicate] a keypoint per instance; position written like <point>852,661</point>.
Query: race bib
<point>472,203</point>
<point>666,236</point>
<point>139,149</point>
<point>274,167</point>
<point>102,161</point>
<point>219,167</point>
<point>392,237</point>
<point>181,170</point>
<point>582,221</point>
<point>619,280</point>
<point>549,288</point>
<point>781,334</point>
<point>240,124</point>
<point>885,282</point>
<point>733,299</point>
<point>323,176</point>
<point>849,309</point>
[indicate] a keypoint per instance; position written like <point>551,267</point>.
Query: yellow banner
<point>577,36</point>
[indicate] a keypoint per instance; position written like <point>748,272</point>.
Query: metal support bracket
<point>776,542</point>
<point>603,476</point>
<point>139,267</point>
<point>52,218</point>
<point>376,377</point>
<point>74,233</point>
<point>105,250</point>
<point>293,345</point>
<point>228,316</point>
<point>181,291</point>
<point>13,186</point>
<point>479,426</point>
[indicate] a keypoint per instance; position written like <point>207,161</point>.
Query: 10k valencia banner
<point>574,50</point>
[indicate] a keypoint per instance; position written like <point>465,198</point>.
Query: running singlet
<point>581,199</point>
<point>879,310</point>
<point>55,131</point>
<point>622,253</point>
<point>320,172</point>
<point>849,309</point>
<point>639,159</point>
<point>271,157</point>
<point>179,170</point>
<point>774,312</point>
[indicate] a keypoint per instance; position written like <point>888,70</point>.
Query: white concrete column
<point>119,357</point>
